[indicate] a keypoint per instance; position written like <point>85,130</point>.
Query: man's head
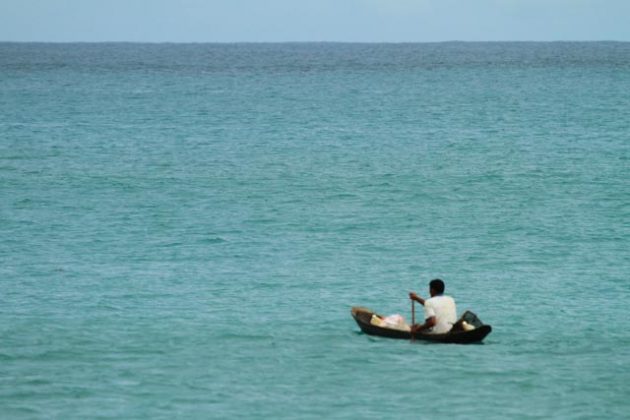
<point>436,287</point>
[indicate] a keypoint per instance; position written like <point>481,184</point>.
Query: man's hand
<point>415,297</point>
<point>428,323</point>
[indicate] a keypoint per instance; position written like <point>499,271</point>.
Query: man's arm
<point>428,323</point>
<point>417,298</point>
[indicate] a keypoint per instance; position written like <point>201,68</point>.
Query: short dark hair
<point>437,285</point>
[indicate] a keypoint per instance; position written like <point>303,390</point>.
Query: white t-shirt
<point>443,309</point>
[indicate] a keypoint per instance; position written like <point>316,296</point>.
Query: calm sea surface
<point>184,228</point>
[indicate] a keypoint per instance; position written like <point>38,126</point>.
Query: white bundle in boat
<point>394,322</point>
<point>467,327</point>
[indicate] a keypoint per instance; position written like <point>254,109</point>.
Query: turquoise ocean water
<point>184,228</point>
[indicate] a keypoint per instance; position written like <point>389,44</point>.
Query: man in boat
<point>440,312</point>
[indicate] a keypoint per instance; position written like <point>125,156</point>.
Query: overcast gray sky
<point>315,20</point>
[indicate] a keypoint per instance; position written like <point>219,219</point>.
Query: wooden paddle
<point>413,318</point>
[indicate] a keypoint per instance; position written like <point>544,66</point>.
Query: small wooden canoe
<point>458,335</point>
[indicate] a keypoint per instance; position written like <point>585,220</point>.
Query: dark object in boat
<point>458,334</point>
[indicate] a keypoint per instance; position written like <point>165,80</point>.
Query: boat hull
<point>363,316</point>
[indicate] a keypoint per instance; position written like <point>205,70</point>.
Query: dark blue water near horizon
<point>185,227</point>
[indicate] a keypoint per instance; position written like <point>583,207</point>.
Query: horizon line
<point>454,41</point>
